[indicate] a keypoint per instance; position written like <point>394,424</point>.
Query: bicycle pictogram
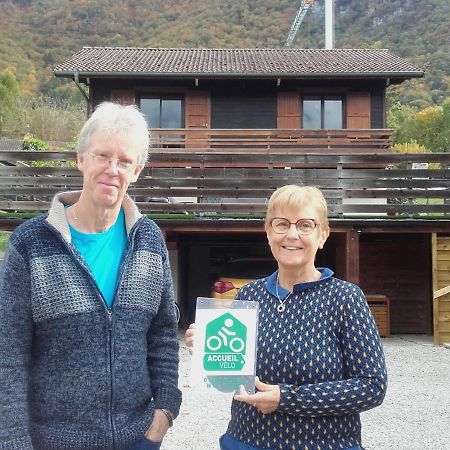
<point>225,343</point>
<point>236,344</point>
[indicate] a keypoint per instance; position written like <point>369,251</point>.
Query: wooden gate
<point>441,288</point>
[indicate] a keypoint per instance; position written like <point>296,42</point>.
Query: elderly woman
<point>319,359</point>
<point>88,332</point>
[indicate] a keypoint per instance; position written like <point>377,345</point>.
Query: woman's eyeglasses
<point>104,160</point>
<point>280,225</point>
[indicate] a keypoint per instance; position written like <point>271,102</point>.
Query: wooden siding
<point>377,113</point>
<point>244,111</point>
<point>288,110</point>
<point>123,96</point>
<point>399,267</point>
<point>441,288</point>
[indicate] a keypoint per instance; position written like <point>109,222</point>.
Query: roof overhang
<point>83,76</point>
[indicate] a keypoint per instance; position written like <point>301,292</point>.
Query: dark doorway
<point>399,266</point>
<point>201,258</point>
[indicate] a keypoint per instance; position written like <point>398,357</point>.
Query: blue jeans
<point>229,443</point>
<point>145,444</point>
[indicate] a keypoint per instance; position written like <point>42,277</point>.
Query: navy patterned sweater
<point>73,374</point>
<point>325,353</point>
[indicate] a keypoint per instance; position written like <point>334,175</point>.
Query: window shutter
<point>358,110</point>
<point>197,110</point>
<point>288,110</point>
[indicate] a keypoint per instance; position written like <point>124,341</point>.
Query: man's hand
<point>189,337</point>
<point>158,427</point>
<point>266,400</point>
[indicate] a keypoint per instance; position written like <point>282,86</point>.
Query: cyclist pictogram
<point>225,343</point>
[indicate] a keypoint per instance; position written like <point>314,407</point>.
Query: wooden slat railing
<point>356,185</point>
<point>274,140</point>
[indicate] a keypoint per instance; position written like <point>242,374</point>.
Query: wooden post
<point>352,256</point>
<point>435,288</point>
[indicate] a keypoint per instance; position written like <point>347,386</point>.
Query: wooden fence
<point>201,182</point>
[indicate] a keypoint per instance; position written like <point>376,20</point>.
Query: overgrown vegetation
<point>49,119</point>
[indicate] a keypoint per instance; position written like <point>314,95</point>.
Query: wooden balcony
<point>273,141</point>
<point>211,184</point>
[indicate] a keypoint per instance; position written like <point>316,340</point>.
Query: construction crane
<point>304,7</point>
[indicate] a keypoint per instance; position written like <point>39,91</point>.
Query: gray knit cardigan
<point>73,374</point>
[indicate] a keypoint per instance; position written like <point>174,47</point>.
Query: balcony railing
<point>273,141</point>
<point>384,186</point>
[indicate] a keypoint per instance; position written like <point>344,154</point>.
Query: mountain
<point>35,35</point>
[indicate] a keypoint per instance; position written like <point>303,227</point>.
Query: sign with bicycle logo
<point>225,343</point>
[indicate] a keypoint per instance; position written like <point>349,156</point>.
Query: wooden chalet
<point>228,126</point>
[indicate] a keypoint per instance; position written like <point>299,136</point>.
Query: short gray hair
<point>114,118</point>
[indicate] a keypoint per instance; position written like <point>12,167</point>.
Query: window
<point>163,112</point>
<point>322,113</point>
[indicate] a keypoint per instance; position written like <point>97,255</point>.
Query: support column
<point>352,256</point>
<point>347,255</point>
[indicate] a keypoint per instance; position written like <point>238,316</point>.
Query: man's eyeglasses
<point>104,160</point>
<point>280,225</point>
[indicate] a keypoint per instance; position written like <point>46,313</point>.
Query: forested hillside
<point>35,35</point>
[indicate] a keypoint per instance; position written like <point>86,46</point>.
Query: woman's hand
<point>189,337</point>
<point>266,400</point>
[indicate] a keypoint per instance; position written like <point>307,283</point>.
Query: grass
<point>12,215</point>
<point>4,238</point>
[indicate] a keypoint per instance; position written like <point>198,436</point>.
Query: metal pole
<point>329,25</point>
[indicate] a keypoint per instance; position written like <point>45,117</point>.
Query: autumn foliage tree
<point>9,91</point>
<point>428,128</point>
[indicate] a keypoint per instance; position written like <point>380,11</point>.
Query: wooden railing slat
<point>382,185</point>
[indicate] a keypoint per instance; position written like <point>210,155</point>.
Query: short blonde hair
<point>297,197</point>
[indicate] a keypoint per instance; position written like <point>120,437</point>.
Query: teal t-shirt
<point>103,254</point>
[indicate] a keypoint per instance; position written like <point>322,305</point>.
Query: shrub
<point>34,144</point>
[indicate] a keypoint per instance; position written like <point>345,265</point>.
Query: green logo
<point>225,343</point>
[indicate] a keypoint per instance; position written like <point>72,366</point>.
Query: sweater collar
<point>58,219</point>
<point>271,283</point>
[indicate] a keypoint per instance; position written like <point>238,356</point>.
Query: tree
<point>446,125</point>
<point>429,127</point>
<point>9,92</point>
<point>398,116</point>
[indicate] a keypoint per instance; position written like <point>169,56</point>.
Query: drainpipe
<point>329,25</point>
<point>83,93</point>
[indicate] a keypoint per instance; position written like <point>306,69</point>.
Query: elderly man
<point>88,333</point>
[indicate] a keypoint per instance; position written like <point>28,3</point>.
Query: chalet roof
<point>235,62</point>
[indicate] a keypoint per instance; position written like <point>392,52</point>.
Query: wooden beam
<point>435,288</point>
<point>352,256</point>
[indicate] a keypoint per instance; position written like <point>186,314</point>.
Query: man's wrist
<point>169,416</point>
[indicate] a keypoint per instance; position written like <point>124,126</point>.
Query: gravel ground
<point>414,416</point>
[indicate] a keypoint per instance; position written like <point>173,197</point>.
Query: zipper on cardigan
<point>111,376</point>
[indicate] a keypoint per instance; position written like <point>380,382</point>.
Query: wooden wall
<point>441,288</point>
<point>251,103</point>
<point>399,266</point>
